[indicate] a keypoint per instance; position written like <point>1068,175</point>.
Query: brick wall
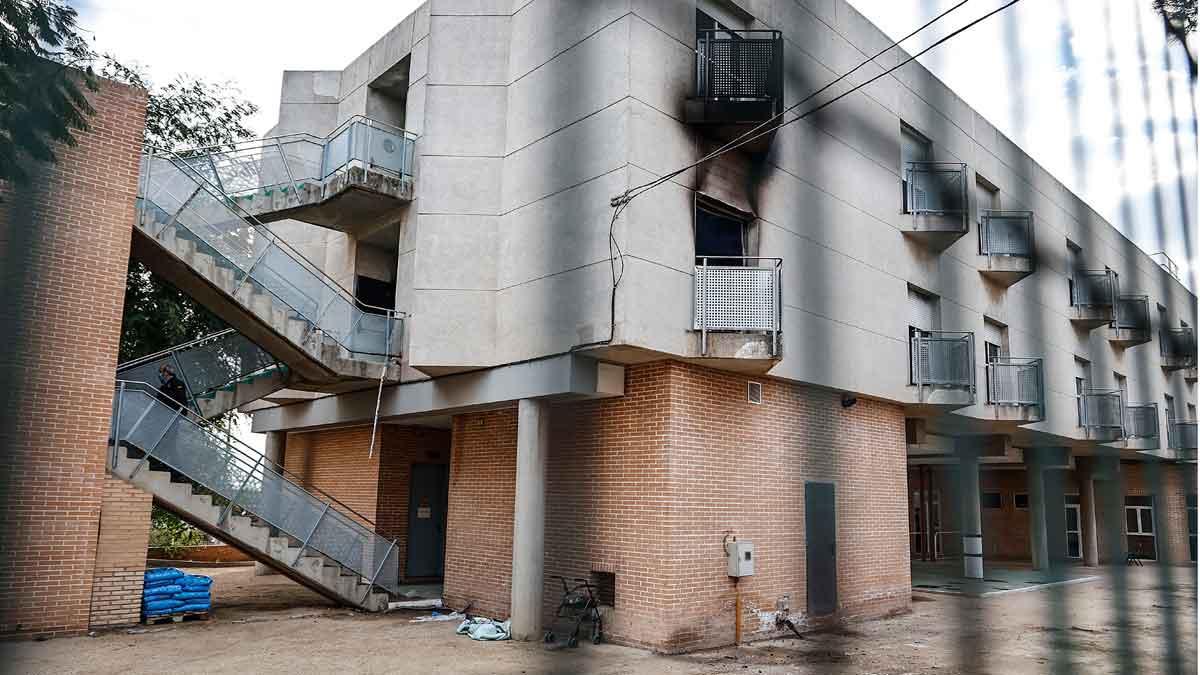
<point>120,554</point>
<point>1006,529</point>
<point>336,461</point>
<point>1170,484</point>
<point>647,485</point>
<point>64,241</point>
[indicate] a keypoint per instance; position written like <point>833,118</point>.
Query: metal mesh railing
<point>1094,288</point>
<point>1178,346</point>
<point>1141,420</point>
<point>943,359</point>
<point>245,480</point>
<point>739,65</point>
<point>738,297</point>
<point>1014,382</point>
<point>204,365</point>
<point>1008,233</point>
<point>1102,410</point>
<point>937,188</point>
<point>1181,434</point>
<point>1133,313</point>
<point>179,201</point>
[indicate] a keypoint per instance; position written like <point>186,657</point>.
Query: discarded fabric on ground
<point>480,628</point>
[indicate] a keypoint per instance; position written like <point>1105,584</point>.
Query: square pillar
<point>1038,546</point>
<point>1087,512</point>
<point>972,518</point>
<point>529,519</point>
<point>276,442</point>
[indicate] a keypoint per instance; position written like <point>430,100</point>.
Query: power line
<point>753,135</point>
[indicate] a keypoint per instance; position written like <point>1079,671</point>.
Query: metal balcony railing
<point>204,365</point>
<point>1178,346</point>
<point>1141,420</point>
<point>178,198</point>
<point>1133,313</point>
<point>1093,288</point>
<point>937,188</point>
<point>943,359</point>
<point>244,480</point>
<point>1164,261</point>
<point>1102,410</point>
<point>1181,434</point>
<point>1014,382</point>
<point>740,65</point>
<point>1007,233</point>
<point>737,293</point>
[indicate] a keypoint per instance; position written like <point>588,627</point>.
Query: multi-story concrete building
<point>870,335</point>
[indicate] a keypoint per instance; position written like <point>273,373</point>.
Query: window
<point>991,500</point>
<point>1170,408</point>
<point>375,293</point>
<point>1191,522</point>
<point>1074,263</point>
<point>720,233</point>
<point>987,196</point>
<point>605,586</point>
<point>1139,515</point>
<point>913,148</point>
<point>922,318</point>
<point>1083,370</point>
<point>1021,500</point>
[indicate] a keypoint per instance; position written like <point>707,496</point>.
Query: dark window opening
<point>604,585</point>
<point>991,500</point>
<point>720,235</point>
<point>376,293</point>
<point>913,148</point>
<point>1021,500</point>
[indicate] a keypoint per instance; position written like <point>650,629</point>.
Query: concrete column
<point>972,518</point>
<point>273,453</point>
<point>1038,545</point>
<point>1087,513</point>
<point>529,519</point>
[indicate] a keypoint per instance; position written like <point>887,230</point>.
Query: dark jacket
<point>173,393</point>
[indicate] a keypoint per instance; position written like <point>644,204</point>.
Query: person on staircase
<point>171,389</point>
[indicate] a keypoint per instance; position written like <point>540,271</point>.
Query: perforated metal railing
<point>204,365</point>
<point>944,359</point>
<point>1178,346</point>
<point>1133,313</point>
<point>1014,382</point>
<point>1141,420</point>
<point>937,188</point>
<point>245,482</point>
<point>1103,410</point>
<point>1007,233</point>
<point>1181,434</point>
<point>735,293</point>
<point>1094,288</point>
<point>739,64</point>
<point>179,201</point>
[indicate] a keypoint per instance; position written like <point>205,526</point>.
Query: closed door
<point>1074,549</point>
<point>820,532</point>
<point>427,520</point>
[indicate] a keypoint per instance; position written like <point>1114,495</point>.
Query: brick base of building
<point>120,555</point>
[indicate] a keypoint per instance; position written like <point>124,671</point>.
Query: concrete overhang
<point>563,377</point>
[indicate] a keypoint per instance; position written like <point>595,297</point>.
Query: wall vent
<point>754,392</point>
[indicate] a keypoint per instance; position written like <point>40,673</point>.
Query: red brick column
<point>64,250</point>
<point>120,554</point>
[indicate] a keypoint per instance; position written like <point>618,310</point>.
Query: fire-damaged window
<point>722,234</point>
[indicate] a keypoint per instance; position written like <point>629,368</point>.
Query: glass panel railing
<point>200,213</point>
<point>1141,420</point>
<point>1102,409</point>
<point>1093,288</point>
<point>1015,382</point>
<point>1008,233</point>
<point>1181,434</point>
<point>241,479</point>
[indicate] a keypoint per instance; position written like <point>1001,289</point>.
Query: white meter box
<point>741,559</point>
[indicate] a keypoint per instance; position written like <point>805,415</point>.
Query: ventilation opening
<point>604,585</point>
<point>754,392</point>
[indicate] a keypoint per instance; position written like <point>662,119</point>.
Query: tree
<point>1179,21</point>
<point>44,70</point>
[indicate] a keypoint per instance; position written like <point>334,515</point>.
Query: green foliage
<point>171,534</point>
<point>1181,14</point>
<point>43,65</point>
<point>158,316</point>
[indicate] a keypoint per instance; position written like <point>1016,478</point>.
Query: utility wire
<point>759,132</point>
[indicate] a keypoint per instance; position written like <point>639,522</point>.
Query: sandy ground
<point>268,624</point>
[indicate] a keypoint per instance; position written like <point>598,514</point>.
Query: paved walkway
<point>998,578</point>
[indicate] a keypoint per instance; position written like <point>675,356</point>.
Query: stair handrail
<point>243,451</point>
<point>295,135</point>
<point>163,352</point>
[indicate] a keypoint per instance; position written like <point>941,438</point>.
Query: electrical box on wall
<point>741,559</point>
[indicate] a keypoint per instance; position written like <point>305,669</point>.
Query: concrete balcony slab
<point>1091,316</point>
<point>1004,270</point>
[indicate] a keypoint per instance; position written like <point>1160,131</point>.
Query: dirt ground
<point>268,624</point>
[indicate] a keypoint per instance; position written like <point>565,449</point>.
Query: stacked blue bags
<point>167,591</point>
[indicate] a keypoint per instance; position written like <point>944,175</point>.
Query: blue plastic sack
<point>192,596</point>
<point>195,581</point>
<point>162,574</point>
<point>195,607</point>
<point>154,606</point>
<point>164,591</point>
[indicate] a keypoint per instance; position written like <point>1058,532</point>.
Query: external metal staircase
<point>213,481</point>
<point>199,237</point>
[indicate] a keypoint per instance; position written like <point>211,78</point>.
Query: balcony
<point>942,368</point>
<point>1141,426</point>
<point>738,309</point>
<point>935,195</point>
<point>1006,246</point>
<point>1178,348</point>
<point>1181,434</point>
<point>1102,415</point>
<point>1132,324</point>
<point>739,79</point>
<point>1014,389</point>
<point>1093,298</point>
